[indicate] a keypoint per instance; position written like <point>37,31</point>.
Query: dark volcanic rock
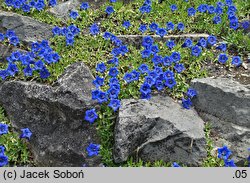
<point>226,105</point>
<point>159,129</point>
<point>55,115</point>
<point>27,29</point>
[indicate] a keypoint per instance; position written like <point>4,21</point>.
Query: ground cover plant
<point>123,70</point>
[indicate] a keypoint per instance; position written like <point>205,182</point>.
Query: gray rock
<point>226,105</point>
<point>159,129</point>
<point>27,29</point>
<point>5,51</point>
<point>62,10</point>
<point>224,98</point>
<point>55,115</point>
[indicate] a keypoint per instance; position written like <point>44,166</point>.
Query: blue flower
<point>236,61</point>
<point>15,55</point>
<point>161,32</point>
<point>98,82</point>
<point>113,80</point>
<point>211,9</point>
<point>170,26</point>
<point>196,51</point>
<point>173,7</point>
<point>202,8</point>
<point>168,74</point>
<point>56,31</point>
<point>222,58</point>
<point>3,160</point>
<point>9,2</point>
<point>3,74</point>
<point>69,42</point>
<point>186,103</point>
<point>176,56</point>
<point>170,82</point>
<point>116,51</point>
<point>107,35</point>
<point>101,67</point>
<point>234,24</point>
<point>3,129</point>
<point>187,43</point>
<point>145,88</point>
<point>44,73</point>
<point>109,10</point>
<point>222,47</point>
<point>114,104</point>
<point>113,91</point>
<point>147,41</point>
<point>229,163</point>
<point>123,49</point>
<point>159,85</point>
<point>2,36</point>
<point>126,24</point>
<point>175,165</point>
<point>10,33</point>
<point>145,9</point>
<point>149,80</point>
<point>84,6</point>
<point>179,67</point>
<point>12,69</point>
<point>102,97</point>
<point>113,72</point>
<point>224,152</point>
<point>202,42</point>
<point>94,29</point>
<point>143,68</point>
<point>2,148</point>
<point>14,40</point>
<point>17,4</point>
<point>143,28</point>
<point>40,5</point>
<point>91,116</point>
<point>93,149</point>
<point>229,2</point>
<point>26,133</point>
<point>181,26</point>
<point>113,1</point>
<point>154,49</point>
<point>217,20</point>
<point>28,71</point>
<point>218,10</point>
<point>26,8</point>
<point>211,40</point>
<point>135,75</point>
<point>170,44</point>
<point>245,24</point>
<point>52,3</point>
<point>128,77</point>
<point>114,61</point>
<point>191,93</point>
<point>73,14</point>
<point>153,27</point>
<point>39,65</point>
<point>145,53</point>
<point>167,61</point>
<point>157,59</point>
<point>191,11</point>
<point>94,94</point>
